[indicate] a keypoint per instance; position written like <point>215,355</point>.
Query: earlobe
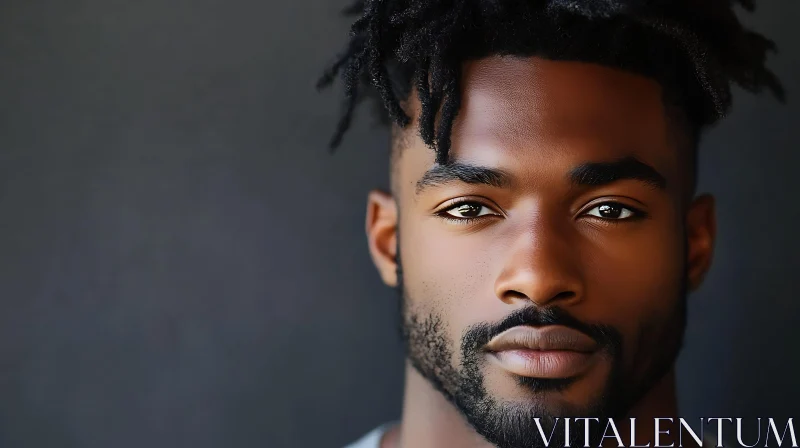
<point>701,230</point>
<point>381,228</point>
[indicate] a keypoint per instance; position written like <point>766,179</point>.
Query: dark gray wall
<point>182,264</point>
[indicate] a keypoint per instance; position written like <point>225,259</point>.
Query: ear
<point>701,231</point>
<point>381,229</point>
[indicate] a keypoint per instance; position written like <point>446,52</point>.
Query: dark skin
<point>614,253</point>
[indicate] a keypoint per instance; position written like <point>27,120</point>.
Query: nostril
<point>564,295</point>
<point>513,295</point>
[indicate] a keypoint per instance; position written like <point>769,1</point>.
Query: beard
<point>518,424</point>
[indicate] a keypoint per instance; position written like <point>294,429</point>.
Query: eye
<point>613,211</point>
<point>467,210</point>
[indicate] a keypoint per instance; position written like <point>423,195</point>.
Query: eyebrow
<point>462,172</point>
<point>595,174</point>
<point>590,174</point>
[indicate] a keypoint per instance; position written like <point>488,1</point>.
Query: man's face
<point>545,269</point>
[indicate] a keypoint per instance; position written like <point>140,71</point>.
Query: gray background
<point>183,264</point>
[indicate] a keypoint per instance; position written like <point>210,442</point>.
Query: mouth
<point>550,352</point>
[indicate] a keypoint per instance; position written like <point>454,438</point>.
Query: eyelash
<point>636,214</point>
<point>465,221</point>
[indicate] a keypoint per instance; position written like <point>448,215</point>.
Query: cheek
<point>446,274</point>
<point>636,286</point>
<point>636,270</point>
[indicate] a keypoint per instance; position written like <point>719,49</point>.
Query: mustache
<point>606,336</point>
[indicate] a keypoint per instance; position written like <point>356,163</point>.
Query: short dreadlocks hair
<point>696,49</point>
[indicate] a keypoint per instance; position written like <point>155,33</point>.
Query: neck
<point>429,420</point>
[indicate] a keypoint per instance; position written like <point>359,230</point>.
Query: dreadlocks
<point>695,49</point>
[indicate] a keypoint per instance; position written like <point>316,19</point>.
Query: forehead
<point>528,97</point>
<point>532,112</point>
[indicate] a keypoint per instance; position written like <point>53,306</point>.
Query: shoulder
<point>372,439</point>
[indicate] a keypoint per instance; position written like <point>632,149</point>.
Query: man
<point>542,227</point>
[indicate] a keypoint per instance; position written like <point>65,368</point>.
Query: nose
<point>542,266</point>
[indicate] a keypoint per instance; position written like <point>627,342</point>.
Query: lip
<point>543,352</point>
